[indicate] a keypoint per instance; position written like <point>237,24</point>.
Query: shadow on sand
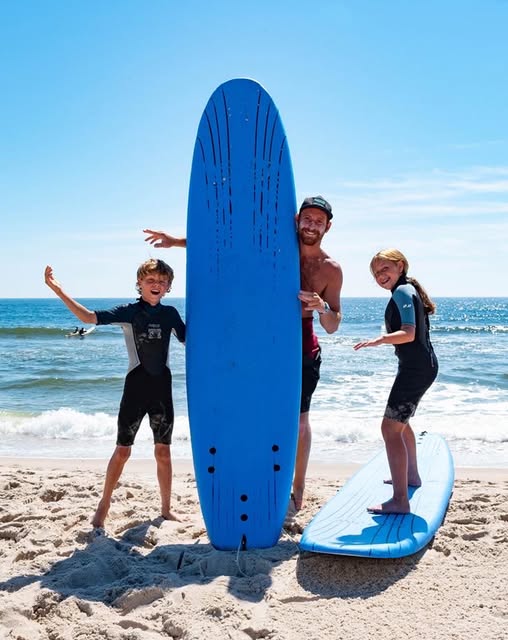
<point>112,571</point>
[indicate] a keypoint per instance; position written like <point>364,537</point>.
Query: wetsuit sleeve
<point>403,298</point>
<point>122,313</point>
<point>179,327</point>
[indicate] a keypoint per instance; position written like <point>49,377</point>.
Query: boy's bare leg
<point>302,459</point>
<point>113,472</point>
<point>162,454</point>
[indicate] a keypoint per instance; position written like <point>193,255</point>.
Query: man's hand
<point>161,240</point>
<point>312,300</point>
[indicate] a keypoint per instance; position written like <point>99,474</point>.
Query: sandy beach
<point>148,578</point>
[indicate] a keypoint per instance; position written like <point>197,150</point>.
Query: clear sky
<point>395,111</point>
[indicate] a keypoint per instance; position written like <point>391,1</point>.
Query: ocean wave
<point>489,329</point>
<point>68,384</point>
<point>69,424</point>
<point>51,332</point>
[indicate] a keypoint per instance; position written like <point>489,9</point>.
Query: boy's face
<point>153,287</point>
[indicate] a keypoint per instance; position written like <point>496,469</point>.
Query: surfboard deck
<point>343,525</point>
<point>243,344</point>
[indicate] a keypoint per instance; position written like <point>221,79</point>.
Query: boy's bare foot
<point>390,506</point>
<point>100,515</point>
<point>169,515</point>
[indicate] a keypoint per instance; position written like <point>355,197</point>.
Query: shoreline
<point>146,466</point>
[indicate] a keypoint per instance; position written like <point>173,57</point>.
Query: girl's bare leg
<point>398,462</point>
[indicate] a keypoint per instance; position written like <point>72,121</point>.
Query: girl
<point>407,326</point>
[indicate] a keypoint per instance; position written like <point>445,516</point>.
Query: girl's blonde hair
<point>394,255</point>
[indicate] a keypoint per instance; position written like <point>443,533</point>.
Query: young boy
<point>147,327</point>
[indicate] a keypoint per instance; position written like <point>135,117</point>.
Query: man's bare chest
<point>313,275</point>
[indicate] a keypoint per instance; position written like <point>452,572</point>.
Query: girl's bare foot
<point>391,506</point>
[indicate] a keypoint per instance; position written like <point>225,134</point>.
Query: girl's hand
<point>373,342</point>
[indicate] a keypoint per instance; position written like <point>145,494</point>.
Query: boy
<point>147,327</point>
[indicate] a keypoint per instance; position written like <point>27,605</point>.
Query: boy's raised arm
<point>81,312</point>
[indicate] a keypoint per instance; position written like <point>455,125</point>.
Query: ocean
<point>59,395</point>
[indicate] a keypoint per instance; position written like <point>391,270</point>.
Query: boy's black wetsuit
<point>147,390</point>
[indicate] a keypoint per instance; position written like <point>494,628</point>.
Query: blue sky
<point>396,111</point>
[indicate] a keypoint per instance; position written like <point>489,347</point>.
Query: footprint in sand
<point>474,535</point>
<point>52,495</point>
<point>469,521</point>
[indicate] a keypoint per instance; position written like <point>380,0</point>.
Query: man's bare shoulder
<point>331,265</point>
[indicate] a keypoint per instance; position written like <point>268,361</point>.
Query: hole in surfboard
<point>275,447</point>
<point>211,469</point>
<point>276,467</point>
<point>244,517</point>
<point>243,497</point>
<point>213,450</point>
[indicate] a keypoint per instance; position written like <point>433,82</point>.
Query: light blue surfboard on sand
<point>344,526</point>
<point>243,345</point>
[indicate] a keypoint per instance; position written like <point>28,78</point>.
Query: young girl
<point>407,326</point>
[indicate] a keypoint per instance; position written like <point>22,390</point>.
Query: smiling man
<point>321,284</point>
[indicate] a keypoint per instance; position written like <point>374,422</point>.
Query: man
<point>321,284</point>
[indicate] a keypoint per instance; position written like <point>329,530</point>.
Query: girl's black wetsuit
<point>418,365</point>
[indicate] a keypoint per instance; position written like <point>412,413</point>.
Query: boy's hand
<point>50,279</point>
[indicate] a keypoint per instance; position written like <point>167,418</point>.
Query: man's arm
<point>81,312</point>
<point>331,319</point>
<point>328,303</point>
<point>161,240</point>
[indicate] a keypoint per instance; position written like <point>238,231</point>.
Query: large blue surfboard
<point>344,526</point>
<point>243,345</point>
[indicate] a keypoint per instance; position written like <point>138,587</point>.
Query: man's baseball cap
<point>317,202</point>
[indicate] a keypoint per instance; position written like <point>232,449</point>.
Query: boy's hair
<point>155,266</point>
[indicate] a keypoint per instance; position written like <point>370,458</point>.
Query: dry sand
<point>149,578</point>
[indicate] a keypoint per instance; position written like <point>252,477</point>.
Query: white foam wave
<point>69,424</point>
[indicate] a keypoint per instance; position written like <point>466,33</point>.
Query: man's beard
<point>309,240</point>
